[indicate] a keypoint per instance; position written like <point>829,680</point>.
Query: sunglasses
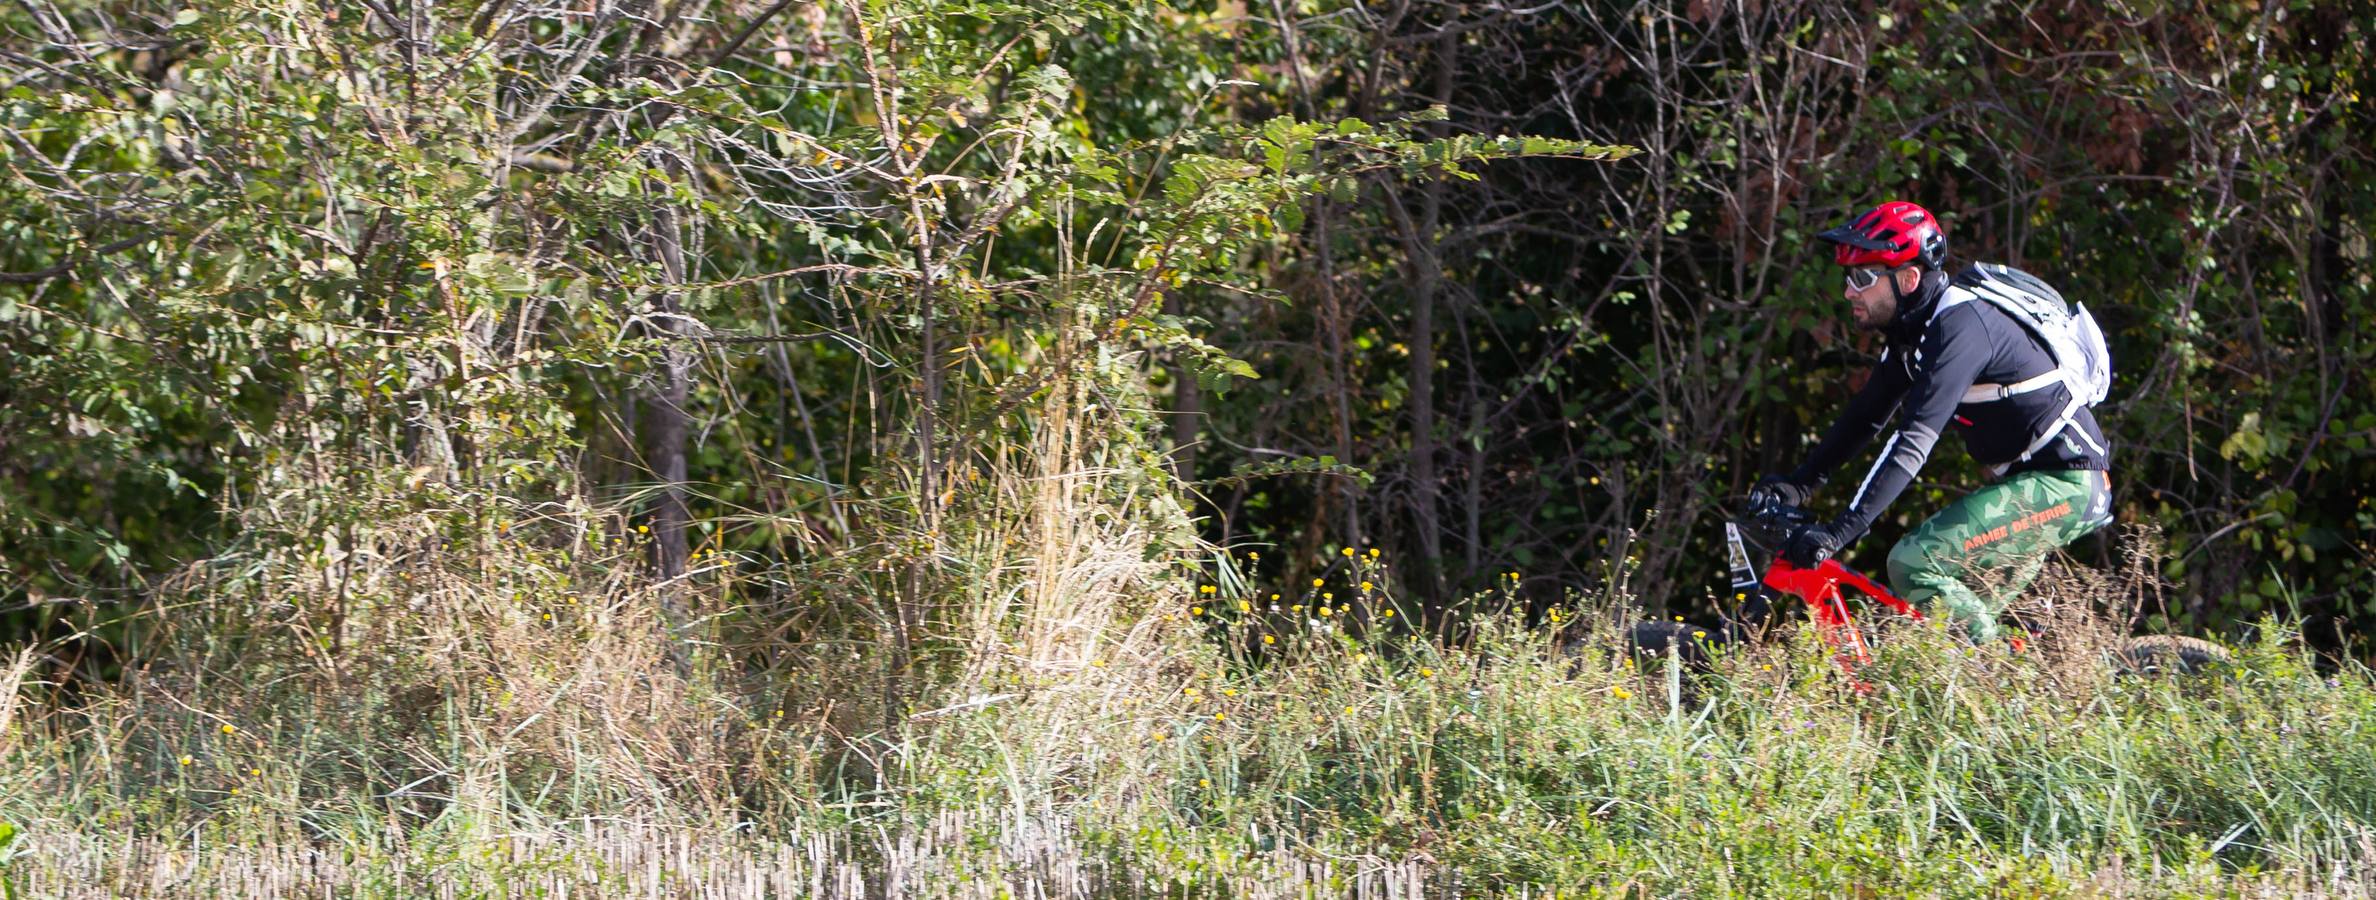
<point>1859,279</point>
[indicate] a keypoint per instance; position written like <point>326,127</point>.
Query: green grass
<point>1498,767</point>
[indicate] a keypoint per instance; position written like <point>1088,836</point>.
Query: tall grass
<point>482,698</point>
<point>1329,764</point>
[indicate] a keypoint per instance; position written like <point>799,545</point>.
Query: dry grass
<point>1338,767</point>
<point>12,684</point>
<point>465,700</point>
<point>628,861</point>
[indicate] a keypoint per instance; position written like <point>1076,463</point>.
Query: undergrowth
<point>437,692</point>
<point>531,732</point>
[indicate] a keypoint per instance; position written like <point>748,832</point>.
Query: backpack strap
<point>2069,419</point>
<point>1984,393</point>
<point>1955,295</point>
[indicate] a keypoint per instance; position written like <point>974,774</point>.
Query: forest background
<point>856,360</point>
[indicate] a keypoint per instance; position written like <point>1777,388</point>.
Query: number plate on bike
<point>1744,575</point>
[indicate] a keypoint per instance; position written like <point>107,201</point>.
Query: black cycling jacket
<point>1931,357</point>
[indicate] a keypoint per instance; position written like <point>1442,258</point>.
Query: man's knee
<point>1911,563</point>
<point>1928,574</point>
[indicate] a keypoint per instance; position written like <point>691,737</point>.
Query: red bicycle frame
<point>1820,587</point>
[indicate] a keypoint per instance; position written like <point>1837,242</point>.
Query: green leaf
<point>2247,444</point>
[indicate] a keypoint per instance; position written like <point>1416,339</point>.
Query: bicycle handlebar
<point>1781,512</point>
<point>1768,525</point>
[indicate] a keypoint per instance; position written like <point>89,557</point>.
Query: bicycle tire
<point>2156,654</point>
<point>1688,643</point>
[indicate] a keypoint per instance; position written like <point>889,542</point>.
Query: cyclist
<point>1950,360</point>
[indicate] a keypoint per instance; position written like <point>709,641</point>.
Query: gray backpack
<point>2081,360</point>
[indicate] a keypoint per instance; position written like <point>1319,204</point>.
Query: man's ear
<point>1909,279</point>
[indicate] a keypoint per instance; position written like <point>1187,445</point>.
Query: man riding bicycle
<point>1950,359</point>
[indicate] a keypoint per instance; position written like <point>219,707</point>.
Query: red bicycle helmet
<point>1896,233</point>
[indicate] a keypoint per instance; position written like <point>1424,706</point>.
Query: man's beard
<point>1881,320</point>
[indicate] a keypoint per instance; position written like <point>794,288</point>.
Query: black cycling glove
<point>1775,490</point>
<point>1814,544</point>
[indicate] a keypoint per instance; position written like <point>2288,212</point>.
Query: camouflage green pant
<point>1969,561</point>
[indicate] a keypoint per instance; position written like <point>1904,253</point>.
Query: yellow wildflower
<point>229,728</point>
<point>1348,551</point>
<point>1268,640</point>
<point>1367,587</point>
<point>1425,672</point>
<point>1196,610</point>
<point>1621,692</point>
<point>1207,589</point>
<point>1318,582</point>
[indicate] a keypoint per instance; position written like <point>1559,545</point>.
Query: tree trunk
<point>1333,326</point>
<point>1426,274</point>
<point>1187,409</point>
<point>664,418</point>
<point>1420,267</point>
